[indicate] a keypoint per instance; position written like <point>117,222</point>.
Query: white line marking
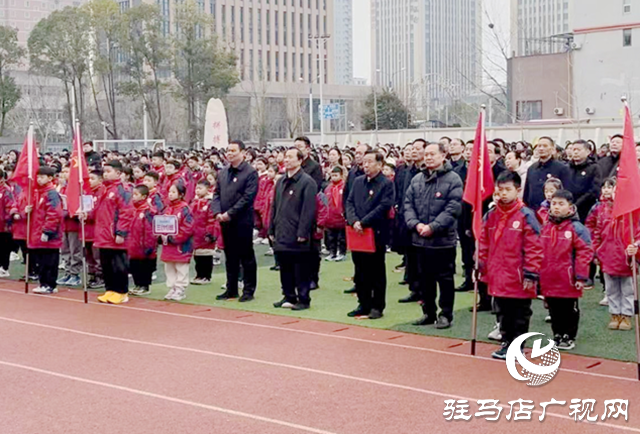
<point>286,366</point>
<point>168,398</point>
<point>332,336</point>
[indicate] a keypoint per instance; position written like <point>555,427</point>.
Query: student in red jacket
<point>139,170</point>
<point>174,176</point>
<point>112,216</point>
<point>45,233</point>
<point>93,253</point>
<point>8,207</point>
<point>567,253</point>
<point>509,259</point>
<point>155,200</point>
<point>72,242</point>
<point>204,237</point>
<point>335,240</point>
<point>550,187</point>
<point>157,164</point>
<point>177,250</point>
<point>142,244</point>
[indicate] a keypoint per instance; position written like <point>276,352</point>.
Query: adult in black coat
<point>92,157</point>
<point>609,164</point>
<point>293,221</point>
<point>539,172</point>
<point>368,205</point>
<point>232,206</point>
<point>355,171</point>
<point>585,180</point>
<point>310,166</point>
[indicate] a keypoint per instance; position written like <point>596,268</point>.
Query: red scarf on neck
<point>505,212</point>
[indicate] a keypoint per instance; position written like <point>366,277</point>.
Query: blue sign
<point>331,111</point>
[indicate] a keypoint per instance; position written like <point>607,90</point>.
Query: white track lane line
<point>325,335</point>
<point>287,366</point>
<point>168,398</point>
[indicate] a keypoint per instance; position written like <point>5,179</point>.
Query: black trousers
<point>6,246</point>
<point>48,261</point>
<point>336,240</point>
<point>142,270</point>
<point>295,273</point>
<point>412,270</point>
<point>436,268</point>
<point>33,261</point>
<point>371,279</point>
<point>238,248</point>
<point>513,315</point>
<point>565,316</point>
<point>204,267</point>
<point>315,260</point>
<point>468,247</point>
<point>115,270</point>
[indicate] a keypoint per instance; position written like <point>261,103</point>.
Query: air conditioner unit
<point>590,110</point>
<point>558,111</point>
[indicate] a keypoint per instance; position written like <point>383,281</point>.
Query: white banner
<point>216,133</point>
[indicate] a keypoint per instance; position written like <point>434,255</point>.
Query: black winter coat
<point>537,175</point>
<point>584,184</point>
<point>235,194</point>
<point>369,203</point>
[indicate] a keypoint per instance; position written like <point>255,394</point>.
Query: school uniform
<point>204,237</point>
<point>142,244</point>
<point>178,250</point>
<point>8,206</point>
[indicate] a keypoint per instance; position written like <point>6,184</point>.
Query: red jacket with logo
<point>335,209</point>
<point>265,189</point>
<point>510,250</point>
<point>543,213</point>
<point>204,236</point>
<point>8,207</point>
<point>112,216</point>
<point>156,202</point>
<point>142,244</point>
<point>71,224</point>
<point>179,248</point>
<point>178,178</point>
<point>19,226</point>
<point>90,224</point>
<point>46,218</point>
<point>568,253</point>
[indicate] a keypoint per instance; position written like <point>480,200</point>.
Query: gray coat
<point>434,199</point>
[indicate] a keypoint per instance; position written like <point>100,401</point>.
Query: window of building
<point>268,28</point>
<point>284,31</point>
<point>626,38</point>
<point>268,65</point>
<point>275,17</point>
<point>528,110</point>
<point>259,27</point>
<point>277,56</point>
<point>626,6</point>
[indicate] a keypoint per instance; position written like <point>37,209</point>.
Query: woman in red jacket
<point>142,244</point>
<point>178,249</point>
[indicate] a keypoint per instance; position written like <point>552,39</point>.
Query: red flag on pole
<point>28,163</point>
<point>627,199</point>
<point>479,177</point>
<point>78,183</point>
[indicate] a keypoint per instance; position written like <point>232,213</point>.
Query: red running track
<point>154,367</point>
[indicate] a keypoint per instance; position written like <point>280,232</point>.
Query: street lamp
<point>104,130</point>
<point>318,38</point>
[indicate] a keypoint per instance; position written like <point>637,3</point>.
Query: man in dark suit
<point>233,208</point>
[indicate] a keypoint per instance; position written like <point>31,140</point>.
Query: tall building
<point>537,26</point>
<point>25,14</point>
<point>428,51</point>
<point>342,40</point>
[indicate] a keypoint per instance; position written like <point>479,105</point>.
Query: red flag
<point>78,183</point>
<point>28,163</point>
<point>479,177</point>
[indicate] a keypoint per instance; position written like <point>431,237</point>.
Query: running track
<point>154,367</point>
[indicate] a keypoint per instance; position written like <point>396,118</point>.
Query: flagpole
<point>474,320</point>
<point>30,149</point>
<point>82,220</point>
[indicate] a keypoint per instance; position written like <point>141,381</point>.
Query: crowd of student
<point>546,230</point>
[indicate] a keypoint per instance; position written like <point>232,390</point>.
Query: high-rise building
<point>427,50</point>
<point>537,26</point>
<point>342,40</point>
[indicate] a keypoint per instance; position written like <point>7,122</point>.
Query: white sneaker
<point>170,295</point>
<point>604,301</point>
<point>495,334</point>
<point>269,252</point>
<point>287,305</point>
<point>196,281</point>
<point>154,276</point>
<point>45,290</point>
<point>14,257</point>
<point>330,258</point>
<point>265,241</point>
<point>547,318</point>
<point>62,265</point>
<point>4,273</point>
<point>179,295</point>
<point>257,241</point>
<point>339,258</point>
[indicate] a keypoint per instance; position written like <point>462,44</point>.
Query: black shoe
<point>403,282</point>
<point>424,321</point>
<point>443,323</point>
<point>275,268</point>
<point>245,297</point>
<point>463,288</point>
<point>300,306</point>
<point>375,314</point>
<point>501,354</point>
<point>481,308</point>
<point>358,312</point>
<point>283,303</point>
<point>226,296</point>
<point>400,266</point>
<point>313,286</point>
<point>411,298</point>
<point>350,291</point>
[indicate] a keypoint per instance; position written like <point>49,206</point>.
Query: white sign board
<point>216,132</point>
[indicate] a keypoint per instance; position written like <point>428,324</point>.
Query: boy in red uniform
<point>335,239</point>
<point>567,253</point>
<point>510,255</point>
<point>204,237</point>
<point>112,216</point>
<point>7,208</point>
<point>93,254</point>
<point>142,243</point>
<point>71,242</point>
<point>45,234</point>
<point>155,200</point>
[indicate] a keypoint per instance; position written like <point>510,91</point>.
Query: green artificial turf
<point>329,303</point>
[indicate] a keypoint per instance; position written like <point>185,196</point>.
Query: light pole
<point>104,130</point>
<point>375,104</point>
<point>324,38</point>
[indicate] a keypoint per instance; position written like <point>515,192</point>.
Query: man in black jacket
<point>233,208</point>
<point>539,172</point>
<point>432,207</point>
<point>309,165</point>
<point>609,164</point>
<point>92,157</point>
<point>291,230</point>
<point>368,205</point>
<point>584,182</point>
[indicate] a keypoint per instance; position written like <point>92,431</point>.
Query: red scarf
<point>505,212</point>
